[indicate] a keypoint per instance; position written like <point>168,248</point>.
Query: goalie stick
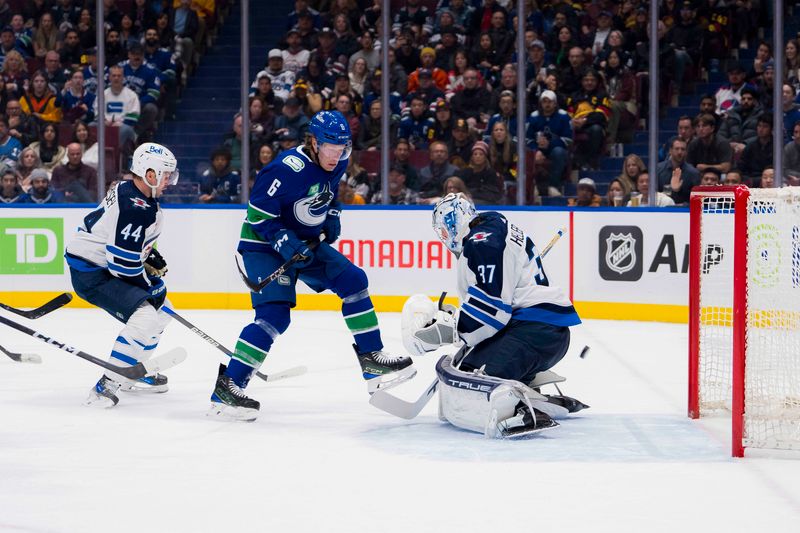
<point>22,357</point>
<point>256,287</point>
<point>275,376</point>
<point>407,410</point>
<point>137,371</point>
<point>56,303</point>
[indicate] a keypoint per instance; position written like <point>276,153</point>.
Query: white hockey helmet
<point>159,159</point>
<point>451,218</point>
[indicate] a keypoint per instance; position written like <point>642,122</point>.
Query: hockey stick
<point>408,410</point>
<point>59,301</point>
<point>288,373</point>
<point>256,287</point>
<point>22,357</point>
<point>139,370</point>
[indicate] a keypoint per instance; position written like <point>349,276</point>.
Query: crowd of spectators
<point>453,72</point>
<point>48,86</point>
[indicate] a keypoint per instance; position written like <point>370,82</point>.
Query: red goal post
<point>744,312</point>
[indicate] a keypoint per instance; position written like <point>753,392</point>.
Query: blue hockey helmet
<point>330,127</point>
<point>451,218</point>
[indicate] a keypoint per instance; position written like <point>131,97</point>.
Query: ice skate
<point>103,394</point>
<point>383,371</point>
<point>525,422</point>
<point>147,384</point>
<point>229,401</point>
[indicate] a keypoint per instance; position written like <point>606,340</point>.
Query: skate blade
<point>143,389</point>
<point>99,402</point>
<point>520,432</point>
<point>387,381</point>
<point>222,411</point>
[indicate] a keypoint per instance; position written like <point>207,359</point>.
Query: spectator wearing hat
<point>707,149</point>
<point>8,43</point>
<point>145,81</point>
<point>463,13</point>
<point>282,79</point>
<point>427,58</point>
<point>507,113</point>
<point>757,154</point>
<point>295,57</point>
<point>549,133</point>
<point>426,90</point>
<point>535,63</point>
<point>220,183</point>
<point>22,34</point>
<point>432,176</point>
<point>292,119</point>
<point>308,31</point>
<point>368,51</point>
<point>413,14</point>
<point>729,95</point>
<point>41,192</point>
<point>287,140</point>
<point>440,126</point>
<point>325,52</point>
<point>399,192</point>
<point>739,124</point>
<point>596,40</point>
<point>473,102</point>
<point>460,145</point>
<point>10,191</point>
<point>480,178</point>
<point>586,195</point>
<point>446,49</point>
<point>414,127</point>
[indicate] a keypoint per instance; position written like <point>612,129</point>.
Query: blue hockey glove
<point>332,226</point>
<point>158,292</point>
<point>287,244</point>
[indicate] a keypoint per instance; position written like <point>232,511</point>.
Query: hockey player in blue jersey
<point>293,204</point>
<point>114,265</point>
<point>512,324</point>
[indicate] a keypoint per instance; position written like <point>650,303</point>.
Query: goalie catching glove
<point>155,265</point>
<point>426,328</point>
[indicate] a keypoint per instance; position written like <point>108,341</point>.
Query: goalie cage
<point>744,312</point>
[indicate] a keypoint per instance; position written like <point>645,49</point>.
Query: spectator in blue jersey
<point>414,127</point>
<point>221,184</point>
<point>145,81</point>
<point>549,133</point>
<point>10,147</point>
<point>76,102</point>
<point>10,191</point>
<point>162,60</point>
<point>41,192</point>
<point>8,43</point>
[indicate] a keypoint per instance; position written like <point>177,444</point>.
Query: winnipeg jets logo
<point>140,203</point>
<point>311,210</point>
<point>481,236</point>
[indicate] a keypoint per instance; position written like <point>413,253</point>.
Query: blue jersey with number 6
<point>501,277</point>
<point>292,193</point>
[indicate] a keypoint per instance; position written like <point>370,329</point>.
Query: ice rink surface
<point>321,459</point>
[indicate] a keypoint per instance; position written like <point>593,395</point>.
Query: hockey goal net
<point>744,312</point>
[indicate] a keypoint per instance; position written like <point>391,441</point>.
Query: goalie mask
<point>159,159</point>
<point>451,218</point>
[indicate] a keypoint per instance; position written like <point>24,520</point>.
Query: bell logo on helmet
<point>154,149</point>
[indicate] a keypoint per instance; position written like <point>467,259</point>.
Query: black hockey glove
<point>155,265</point>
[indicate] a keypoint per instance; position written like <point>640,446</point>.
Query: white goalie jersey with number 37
<point>500,277</point>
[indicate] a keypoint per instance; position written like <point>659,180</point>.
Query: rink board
<point>614,263</point>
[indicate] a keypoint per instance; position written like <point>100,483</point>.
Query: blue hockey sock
<point>362,321</point>
<point>239,372</point>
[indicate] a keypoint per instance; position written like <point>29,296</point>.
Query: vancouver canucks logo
<point>311,210</point>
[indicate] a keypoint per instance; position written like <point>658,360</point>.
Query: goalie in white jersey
<point>512,322</point>
<point>114,265</point>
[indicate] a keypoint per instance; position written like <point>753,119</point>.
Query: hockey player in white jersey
<point>114,265</point>
<point>513,326</point>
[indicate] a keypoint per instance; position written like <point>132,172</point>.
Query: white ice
<point>321,459</point>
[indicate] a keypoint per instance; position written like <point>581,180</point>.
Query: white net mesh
<point>716,303</point>
<point>772,375</point>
